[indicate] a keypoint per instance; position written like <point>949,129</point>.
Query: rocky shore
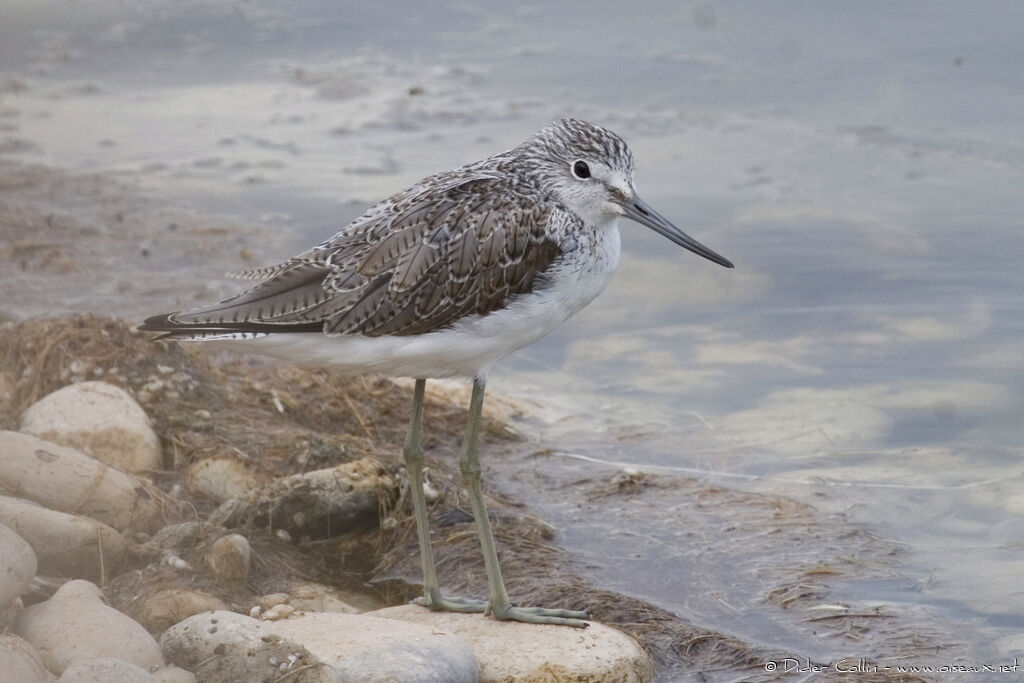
<point>163,518</point>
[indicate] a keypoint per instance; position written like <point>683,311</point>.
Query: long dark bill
<point>640,211</point>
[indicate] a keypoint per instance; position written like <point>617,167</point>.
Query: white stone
<point>229,558</point>
<point>99,419</point>
<point>17,566</point>
<point>271,600</point>
<point>67,480</point>
<point>76,625</point>
<point>173,674</point>
<point>363,648</point>
<point>315,648</point>
<point>20,662</point>
<point>307,596</point>
<point>65,545</point>
<point>105,670</point>
<point>225,646</point>
<point>513,651</point>
<point>161,609</point>
<point>221,479</point>
<point>178,563</point>
<point>276,612</point>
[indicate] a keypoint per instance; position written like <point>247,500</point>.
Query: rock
<point>17,566</point>
<point>362,648</point>
<point>271,600</point>
<point>67,480</point>
<point>282,611</point>
<point>65,545</point>
<point>330,647</point>
<point>20,662</point>
<point>105,670</point>
<point>225,646</point>
<point>163,593</point>
<point>512,651</point>
<point>221,479</point>
<point>173,674</point>
<point>307,596</point>
<point>99,419</point>
<point>161,609</point>
<point>229,558</point>
<point>318,504</point>
<point>75,625</point>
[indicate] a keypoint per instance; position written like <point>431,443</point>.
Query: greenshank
<point>444,279</point>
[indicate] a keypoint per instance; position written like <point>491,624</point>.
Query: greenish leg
<point>413,453</point>
<point>499,605</point>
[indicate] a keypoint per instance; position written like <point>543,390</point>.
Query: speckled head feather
<point>551,152</point>
<point>571,139</point>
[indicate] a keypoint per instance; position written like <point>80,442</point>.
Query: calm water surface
<point>861,163</point>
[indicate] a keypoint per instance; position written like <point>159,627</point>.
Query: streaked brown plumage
<point>415,263</point>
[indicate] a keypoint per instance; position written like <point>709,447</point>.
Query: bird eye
<point>580,169</point>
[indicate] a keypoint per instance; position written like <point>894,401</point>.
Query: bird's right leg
<point>413,454</point>
<point>499,605</point>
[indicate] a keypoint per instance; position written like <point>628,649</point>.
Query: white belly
<point>471,346</point>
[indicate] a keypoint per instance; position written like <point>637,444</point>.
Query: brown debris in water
<point>536,572</point>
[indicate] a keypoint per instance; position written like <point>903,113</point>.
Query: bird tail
<point>186,331</point>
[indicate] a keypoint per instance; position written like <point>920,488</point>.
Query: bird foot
<point>438,603</point>
<point>541,615</point>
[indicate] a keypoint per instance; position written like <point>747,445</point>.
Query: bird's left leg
<point>413,454</point>
<point>499,605</point>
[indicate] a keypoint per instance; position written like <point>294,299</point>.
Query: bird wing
<point>414,263</point>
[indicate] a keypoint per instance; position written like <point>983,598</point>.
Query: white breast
<point>471,346</point>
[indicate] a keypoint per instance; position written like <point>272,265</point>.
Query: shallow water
<point>860,163</point>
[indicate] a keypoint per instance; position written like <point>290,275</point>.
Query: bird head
<point>589,170</point>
